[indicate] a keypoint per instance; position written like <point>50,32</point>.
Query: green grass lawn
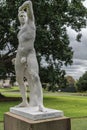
<point>72,105</point>
<point>10,92</point>
<point>12,89</point>
<point>79,124</point>
<point>1,126</point>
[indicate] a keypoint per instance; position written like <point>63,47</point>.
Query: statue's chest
<point>26,33</point>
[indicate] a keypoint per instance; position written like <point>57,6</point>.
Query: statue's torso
<point>26,36</point>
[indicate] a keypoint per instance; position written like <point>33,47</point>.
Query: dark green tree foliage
<point>82,83</point>
<point>52,42</point>
<point>53,78</point>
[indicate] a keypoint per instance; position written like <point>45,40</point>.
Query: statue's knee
<point>19,78</point>
<point>35,77</point>
<point>20,81</point>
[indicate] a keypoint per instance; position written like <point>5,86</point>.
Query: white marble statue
<point>69,1</point>
<point>26,62</point>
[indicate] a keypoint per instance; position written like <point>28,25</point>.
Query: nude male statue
<point>26,64</point>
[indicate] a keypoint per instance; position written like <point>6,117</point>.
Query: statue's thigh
<point>32,63</point>
<point>19,68</point>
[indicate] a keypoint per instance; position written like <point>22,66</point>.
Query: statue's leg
<point>19,69</point>
<point>36,94</point>
<point>32,99</point>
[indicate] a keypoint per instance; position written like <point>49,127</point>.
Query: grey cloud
<point>80,52</point>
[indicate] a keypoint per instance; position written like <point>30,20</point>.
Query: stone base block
<point>16,122</point>
<point>33,113</point>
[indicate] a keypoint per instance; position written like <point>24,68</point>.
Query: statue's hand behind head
<point>24,5</point>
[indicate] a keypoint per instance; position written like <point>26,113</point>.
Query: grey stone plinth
<point>16,122</point>
<point>34,114</point>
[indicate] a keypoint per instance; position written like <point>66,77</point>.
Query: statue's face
<point>22,17</point>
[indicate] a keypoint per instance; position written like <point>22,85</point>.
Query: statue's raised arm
<point>27,5</point>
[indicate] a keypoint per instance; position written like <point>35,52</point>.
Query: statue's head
<point>22,16</point>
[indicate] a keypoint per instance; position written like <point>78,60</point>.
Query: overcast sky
<point>80,53</point>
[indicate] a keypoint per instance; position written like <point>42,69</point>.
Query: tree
<point>53,77</point>
<point>52,42</point>
<point>82,83</point>
<point>71,84</point>
<point>70,81</point>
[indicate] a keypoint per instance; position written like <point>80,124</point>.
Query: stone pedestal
<point>33,113</point>
<point>16,122</point>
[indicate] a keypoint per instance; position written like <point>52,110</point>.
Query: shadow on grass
<point>5,99</point>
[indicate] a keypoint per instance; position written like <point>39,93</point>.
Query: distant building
<point>6,83</point>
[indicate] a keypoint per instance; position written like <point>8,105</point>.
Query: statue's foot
<point>42,108</point>
<point>23,104</point>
